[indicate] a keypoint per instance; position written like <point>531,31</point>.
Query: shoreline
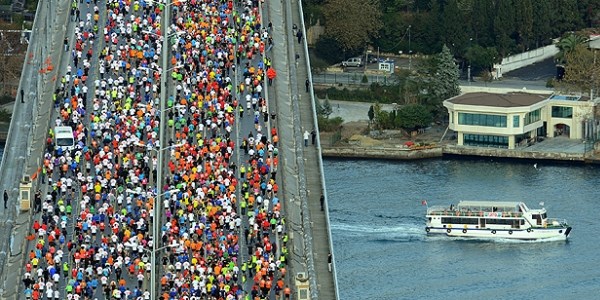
<point>397,153</point>
<point>354,140</point>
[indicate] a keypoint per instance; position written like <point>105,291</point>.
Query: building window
<point>534,116</point>
<point>516,121</point>
<point>481,120</point>
<point>485,140</point>
<point>562,112</point>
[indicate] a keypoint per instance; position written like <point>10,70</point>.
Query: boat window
<point>515,224</point>
<point>500,221</point>
<point>457,220</point>
<point>544,216</point>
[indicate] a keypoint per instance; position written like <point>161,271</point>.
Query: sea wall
<point>381,152</point>
<point>505,153</point>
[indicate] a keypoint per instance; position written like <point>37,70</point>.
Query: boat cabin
<point>484,219</point>
<point>481,214</point>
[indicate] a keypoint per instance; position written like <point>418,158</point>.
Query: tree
<point>352,23</point>
<point>413,116</point>
<point>542,31</point>
<point>391,36</point>
<point>454,25</point>
<point>566,16</point>
<point>5,115</point>
<point>435,81</point>
<point>566,45</point>
<point>524,22</point>
<point>482,22</point>
<point>394,6</point>
<point>590,12</point>
<point>377,115</point>
<point>482,58</point>
<point>371,113</point>
<point>325,109</point>
<point>504,25</point>
<point>12,54</point>
<point>428,29</point>
<point>582,70</point>
<point>486,76</point>
<point>439,79</point>
<point>329,49</point>
<point>447,73</point>
<point>364,79</point>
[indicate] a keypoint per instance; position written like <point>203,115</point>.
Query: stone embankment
<point>379,152</point>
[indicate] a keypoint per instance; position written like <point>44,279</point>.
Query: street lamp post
<point>156,210</point>
<point>409,50</point>
<point>161,133</point>
<point>469,67</point>
<point>153,262</point>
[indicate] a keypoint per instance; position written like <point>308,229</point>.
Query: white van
<point>63,137</point>
<point>353,62</point>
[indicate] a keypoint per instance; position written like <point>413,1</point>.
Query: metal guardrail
<point>354,78</point>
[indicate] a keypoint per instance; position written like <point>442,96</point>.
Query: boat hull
<point>555,233</point>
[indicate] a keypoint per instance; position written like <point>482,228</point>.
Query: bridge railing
<point>320,158</point>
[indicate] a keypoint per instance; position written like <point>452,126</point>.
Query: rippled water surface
<point>382,252</point>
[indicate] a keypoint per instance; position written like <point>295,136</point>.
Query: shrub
<point>332,124</point>
<point>5,116</point>
<point>375,93</point>
<point>6,99</point>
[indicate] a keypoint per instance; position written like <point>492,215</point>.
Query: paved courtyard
<point>557,144</point>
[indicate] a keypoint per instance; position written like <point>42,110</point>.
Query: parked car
<point>373,60</point>
<point>353,62</point>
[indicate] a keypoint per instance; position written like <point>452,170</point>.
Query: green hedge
<point>4,99</point>
<point>375,93</point>
<point>5,116</point>
<point>332,124</point>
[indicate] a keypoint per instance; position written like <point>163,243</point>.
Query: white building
<point>516,119</point>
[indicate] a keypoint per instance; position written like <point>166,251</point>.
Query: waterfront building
<point>518,119</point>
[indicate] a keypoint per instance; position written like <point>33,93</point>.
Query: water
<point>382,251</point>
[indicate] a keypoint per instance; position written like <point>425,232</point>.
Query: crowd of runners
<point>222,230</point>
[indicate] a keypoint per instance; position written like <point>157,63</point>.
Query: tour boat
<point>493,219</point>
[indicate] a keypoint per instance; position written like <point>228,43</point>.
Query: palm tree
<point>566,45</point>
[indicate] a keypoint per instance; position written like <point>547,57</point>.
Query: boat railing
<point>556,222</point>
<point>445,211</point>
<point>437,208</point>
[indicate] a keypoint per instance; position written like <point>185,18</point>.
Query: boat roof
<point>490,203</point>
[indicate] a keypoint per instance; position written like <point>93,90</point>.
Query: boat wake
<point>384,234</point>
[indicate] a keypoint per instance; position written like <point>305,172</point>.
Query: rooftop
<point>499,100</point>
<point>490,203</point>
